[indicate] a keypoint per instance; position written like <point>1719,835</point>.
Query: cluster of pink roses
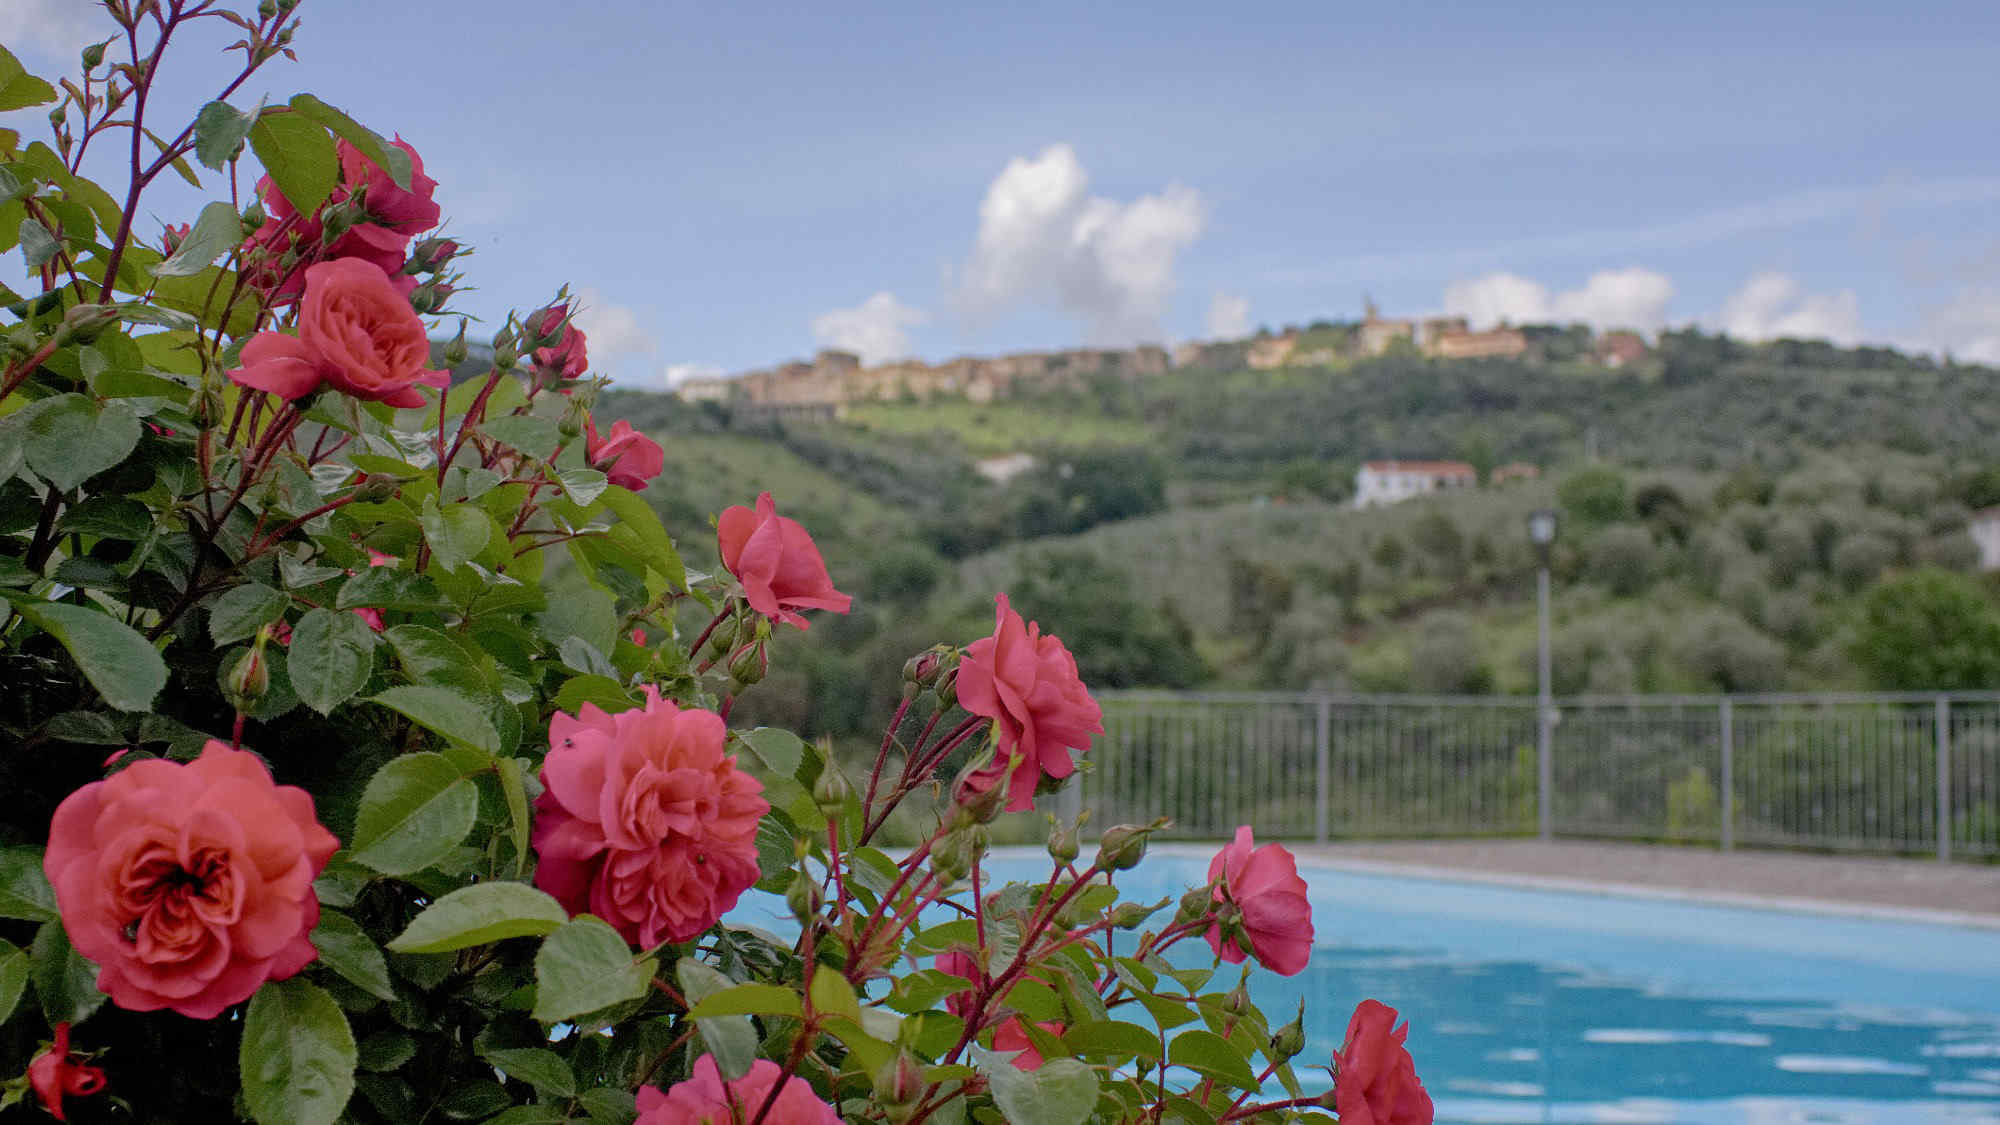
<point>374,223</point>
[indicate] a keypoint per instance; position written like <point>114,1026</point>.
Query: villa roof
<point>1453,468</point>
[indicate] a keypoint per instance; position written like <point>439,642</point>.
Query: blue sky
<point>737,184</point>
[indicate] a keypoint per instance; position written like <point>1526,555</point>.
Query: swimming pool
<point>1556,1007</point>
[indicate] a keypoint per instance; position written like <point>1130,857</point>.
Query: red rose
<point>1269,898</point>
<point>705,1099</point>
<point>396,215</point>
<point>356,334</point>
<point>1010,1036</point>
<point>1376,1081</point>
<point>568,354</point>
<point>628,457</point>
<point>777,563</point>
<point>189,885</point>
<point>644,821</point>
<point>52,1076</point>
<point>1027,683</point>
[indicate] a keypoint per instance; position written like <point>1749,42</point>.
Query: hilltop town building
<point>1985,528</point>
<point>1388,482</point>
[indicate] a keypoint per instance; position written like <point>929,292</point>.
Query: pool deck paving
<point>1905,889</point>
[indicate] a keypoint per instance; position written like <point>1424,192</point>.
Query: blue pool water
<point>1543,1006</point>
<point>1534,1006</point>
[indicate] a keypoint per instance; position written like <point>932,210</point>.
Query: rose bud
<point>1122,847</point>
<point>1132,915</point>
<point>1195,904</point>
<point>748,666</point>
<point>1062,842</point>
<point>456,351</point>
<point>172,237</point>
<point>898,1086</point>
<point>1290,1039</point>
<point>248,679</point>
<point>830,791</point>
<point>803,898</point>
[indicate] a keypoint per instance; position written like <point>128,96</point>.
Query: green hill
<point>1728,508</point>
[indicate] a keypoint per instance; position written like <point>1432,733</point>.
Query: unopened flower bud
<point>287,5</point>
<point>980,794</point>
<point>1237,1000</point>
<point>1132,915</point>
<point>723,638</point>
<point>898,1086</point>
<point>922,669</point>
<point>375,489</point>
<point>267,8</point>
<point>954,855</point>
<point>1122,847</point>
<point>803,898</point>
<point>1062,841</point>
<point>433,253</point>
<point>253,217</point>
<point>83,323</point>
<point>93,55</point>
<point>830,791</point>
<point>456,351</point>
<point>336,222</point>
<point>505,353</point>
<point>947,687</point>
<point>1290,1039</point>
<point>429,298</point>
<point>248,679</point>
<point>58,114</point>
<point>172,237</point>
<point>748,666</point>
<point>1195,904</point>
<point>571,425</point>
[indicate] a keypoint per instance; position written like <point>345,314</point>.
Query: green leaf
<point>777,748</point>
<point>456,532</point>
<point>1112,1037</point>
<point>1059,1092</point>
<point>636,514</point>
<point>514,788</point>
<point>604,691</point>
<point>38,245</point>
<point>241,610</point>
<point>24,891</point>
<point>386,156</point>
<point>415,810</point>
<point>18,88</point>
<point>219,132</point>
<point>751,999</point>
<point>478,914</point>
<point>387,587</point>
<point>544,1070</point>
<point>117,660</point>
<point>534,1115</point>
<point>346,949</point>
<point>70,438</point>
<point>331,656</point>
<point>536,437</point>
<point>298,1056</point>
<point>298,152</point>
<point>584,485</point>
<point>832,995</point>
<point>730,1037</point>
<point>14,966</point>
<point>442,711</point>
<point>65,980</point>
<point>1210,1054</point>
<point>216,231</point>
<point>583,967</point>
<point>387,1050</point>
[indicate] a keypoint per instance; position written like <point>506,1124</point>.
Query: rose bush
<point>367,743</point>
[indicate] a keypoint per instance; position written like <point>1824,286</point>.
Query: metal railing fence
<point>1889,773</point>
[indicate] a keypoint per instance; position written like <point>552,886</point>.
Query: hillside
<point>1727,509</point>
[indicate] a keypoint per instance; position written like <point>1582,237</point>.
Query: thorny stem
<point>882,754</point>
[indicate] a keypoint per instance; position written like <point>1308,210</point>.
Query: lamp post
<point>1542,533</point>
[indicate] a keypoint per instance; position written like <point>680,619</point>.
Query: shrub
<point>1445,657</point>
<point>1595,496</point>
<point>1726,653</point>
<point>1859,559</point>
<point>1622,559</point>
<point>417,804</point>
<point>1928,630</point>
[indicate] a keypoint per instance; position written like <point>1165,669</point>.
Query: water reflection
<point>1514,1041</point>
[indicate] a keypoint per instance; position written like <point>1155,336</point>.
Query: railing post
<point>1943,778</point>
<point>1545,761</point>
<point>1728,719</point>
<point>1323,760</point>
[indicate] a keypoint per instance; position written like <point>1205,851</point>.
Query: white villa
<point>1985,528</point>
<point>1386,482</point>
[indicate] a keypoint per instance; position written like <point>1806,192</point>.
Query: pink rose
<point>959,965</point>
<point>172,237</point>
<point>189,885</point>
<point>705,1099</point>
<point>1264,887</point>
<point>1027,683</point>
<point>777,562</point>
<point>403,213</point>
<point>645,822</point>
<point>1010,1036</point>
<point>628,457</point>
<point>356,334</point>
<point>52,1076</point>
<point>568,355</point>
<point>1377,1081</point>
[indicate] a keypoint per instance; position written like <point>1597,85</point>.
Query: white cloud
<point>674,374</point>
<point>1228,317</point>
<point>614,332</point>
<point>1774,305</point>
<point>877,329</point>
<point>56,28</point>
<point>1634,298</point>
<point>1968,328</point>
<point>1044,238</point>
